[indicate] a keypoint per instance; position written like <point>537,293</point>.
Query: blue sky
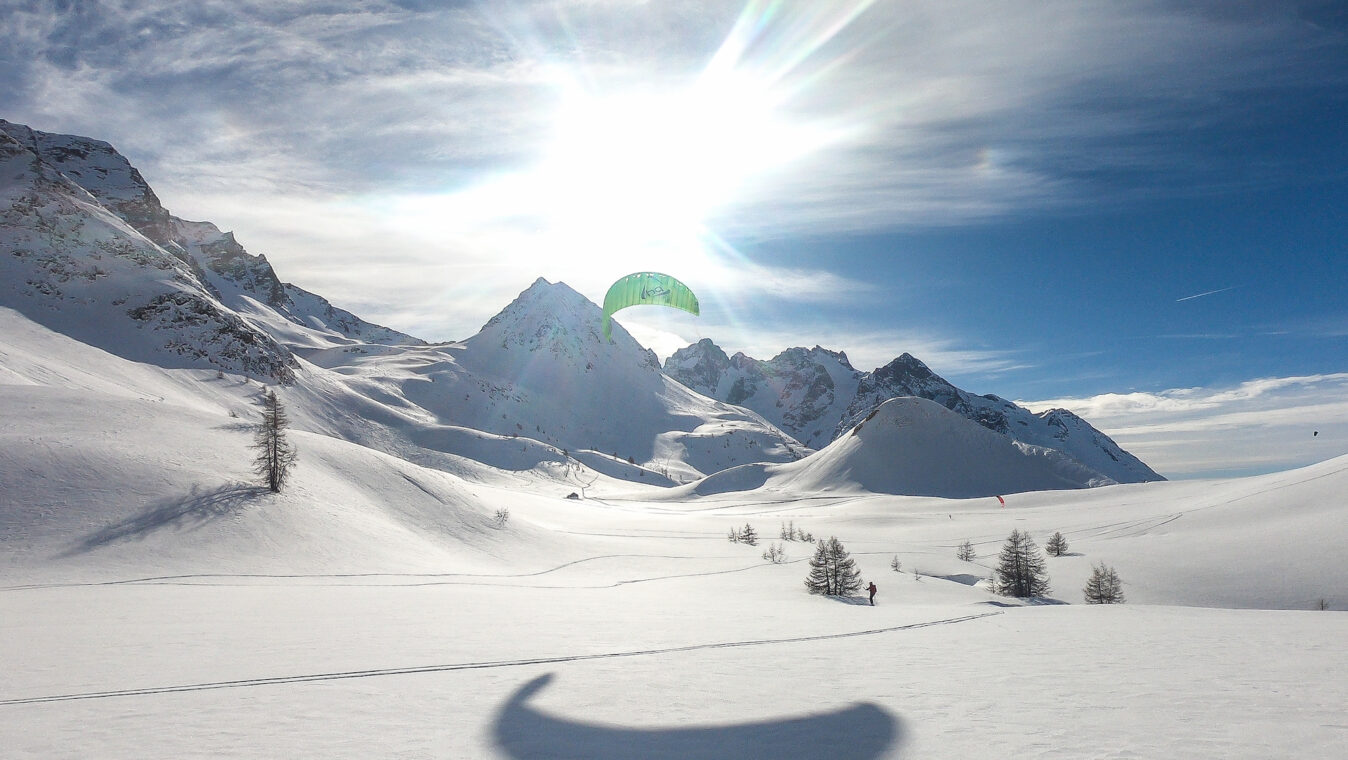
<point>1133,209</point>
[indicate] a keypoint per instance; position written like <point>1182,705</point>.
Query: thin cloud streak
<point>1209,293</point>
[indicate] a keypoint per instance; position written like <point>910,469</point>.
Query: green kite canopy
<point>649,288</point>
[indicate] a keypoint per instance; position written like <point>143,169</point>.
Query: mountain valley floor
<point>620,626</point>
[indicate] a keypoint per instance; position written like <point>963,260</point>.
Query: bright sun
<point>640,172</point>
<point>629,178</point>
<point>663,161</point>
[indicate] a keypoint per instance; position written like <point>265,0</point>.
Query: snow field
<point>154,603</point>
<point>1056,681</point>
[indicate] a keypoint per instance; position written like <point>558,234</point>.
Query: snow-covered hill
<point>95,256</point>
<point>817,396</point>
<point>913,446</point>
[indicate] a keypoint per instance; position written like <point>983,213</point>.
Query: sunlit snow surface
<point>155,604</point>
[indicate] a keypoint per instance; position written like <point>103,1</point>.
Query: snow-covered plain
<point>154,603</point>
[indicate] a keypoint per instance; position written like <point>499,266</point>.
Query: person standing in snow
<point>871,588</point>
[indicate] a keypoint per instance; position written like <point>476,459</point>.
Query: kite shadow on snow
<point>860,732</point>
<point>181,513</point>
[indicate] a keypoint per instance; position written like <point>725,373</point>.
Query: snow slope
<point>156,605</point>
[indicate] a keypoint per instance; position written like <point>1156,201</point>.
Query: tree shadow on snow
<point>860,732</point>
<point>967,579</point>
<point>190,513</point>
<point>862,601</point>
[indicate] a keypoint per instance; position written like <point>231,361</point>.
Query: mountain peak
<point>699,366</point>
<point>556,318</point>
<point>907,365</point>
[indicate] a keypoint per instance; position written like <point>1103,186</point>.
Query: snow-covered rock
<point>74,264</point>
<point>211,264</point>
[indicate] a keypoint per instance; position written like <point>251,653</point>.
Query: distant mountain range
<point>817,396</point>
<point>88,251</point>
<point>916,447</point>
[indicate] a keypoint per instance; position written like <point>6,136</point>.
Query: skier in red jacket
<point>871,588</point>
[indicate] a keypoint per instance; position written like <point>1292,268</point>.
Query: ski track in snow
<point>204,579</point>
<point>374,673</point>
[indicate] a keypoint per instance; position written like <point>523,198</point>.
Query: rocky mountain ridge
<point>818,396</point>
<point>67,201</point>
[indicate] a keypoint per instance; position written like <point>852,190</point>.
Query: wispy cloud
<point>305,127</point>
<point>1257,426</point>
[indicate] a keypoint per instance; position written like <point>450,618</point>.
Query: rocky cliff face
<point>101,171</point>
<point>76,264</point>
<point>99,183</point>
<point>817,396</point>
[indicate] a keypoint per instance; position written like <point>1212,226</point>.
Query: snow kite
<point>646,288</point>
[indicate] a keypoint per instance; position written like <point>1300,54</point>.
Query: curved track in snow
<point>375,673</point>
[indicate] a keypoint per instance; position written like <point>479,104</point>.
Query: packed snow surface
<point>156,604</point>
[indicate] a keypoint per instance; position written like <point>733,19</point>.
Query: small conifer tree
<point>275,454</point>
<point>1104,586</point>
<point>1020,568</point>
<point>965,551</point>
<point>749,535</point>
<point>833,572</point>
<point>1056,545</point>
<point>895,564</point>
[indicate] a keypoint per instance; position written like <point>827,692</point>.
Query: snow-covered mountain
<point>915,447</point>
<point>94,255</point>
<point>817,396</point>
<point>74,264</point>
<point>540,377</point>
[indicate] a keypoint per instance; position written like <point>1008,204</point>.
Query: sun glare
<point>630,175</point>
<point>661,160</point>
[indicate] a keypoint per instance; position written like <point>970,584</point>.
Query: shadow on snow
<point>860,732</point>
<point>195,510</point>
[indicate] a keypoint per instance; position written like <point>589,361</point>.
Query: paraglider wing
<point>1003,501</point>
<point>646,288</point>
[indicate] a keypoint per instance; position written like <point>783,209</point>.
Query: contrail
<point>1200,295</point>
